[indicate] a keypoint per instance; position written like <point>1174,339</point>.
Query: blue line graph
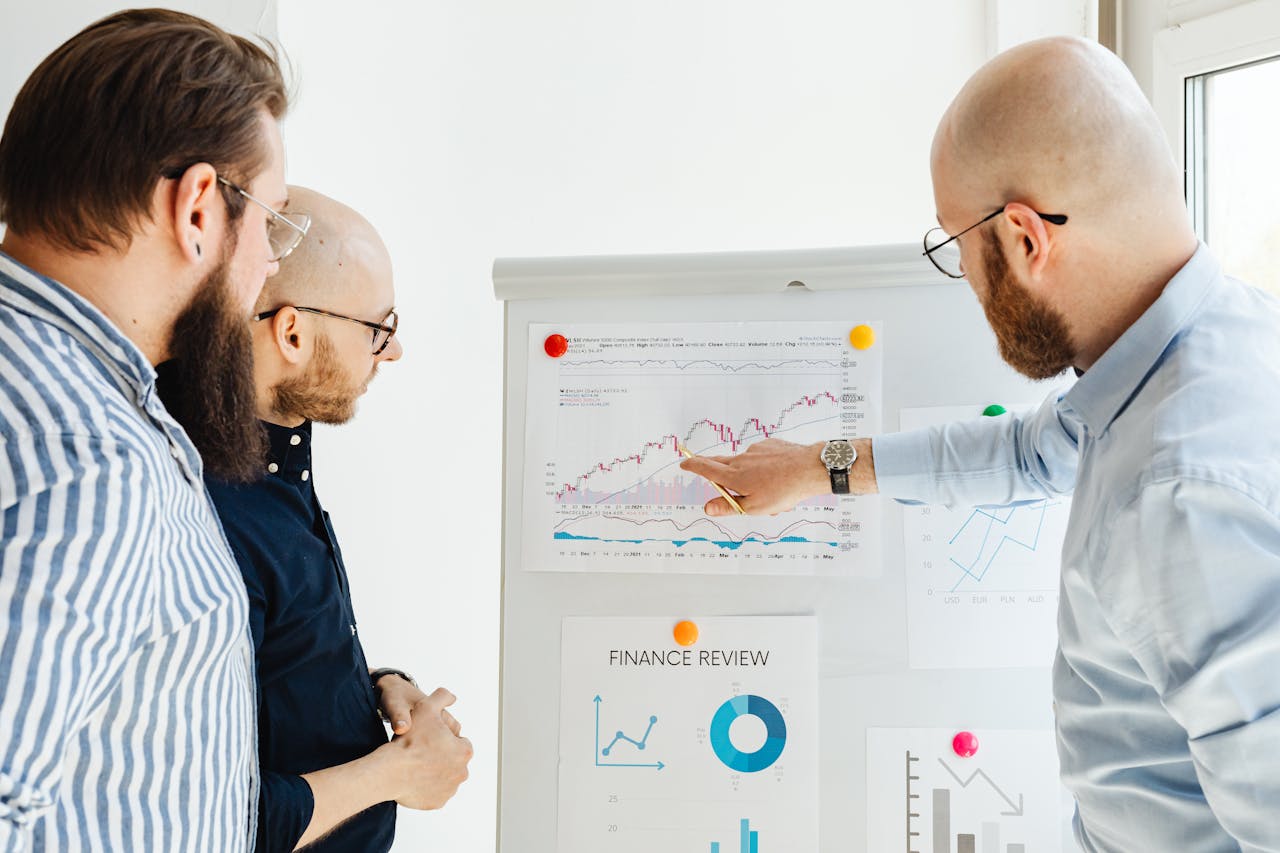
<point>638,744</point>
<point>993,524</point>
<point>620,736</point>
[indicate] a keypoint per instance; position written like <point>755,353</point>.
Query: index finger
<point>712,469</point>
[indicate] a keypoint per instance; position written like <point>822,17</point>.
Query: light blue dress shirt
<point>1167,676</point>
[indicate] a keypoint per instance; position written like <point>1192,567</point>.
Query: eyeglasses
<point>948,261</point>
<point>382,332</point>
<point>284,230</point>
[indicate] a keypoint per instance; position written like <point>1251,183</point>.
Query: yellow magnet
<point>862,337</point>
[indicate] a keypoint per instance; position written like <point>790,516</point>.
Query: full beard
<point>322,394</point>
<point>1031,334</point>
<point>212,386</point>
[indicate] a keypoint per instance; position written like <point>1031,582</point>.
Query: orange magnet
<point>862,337</point>
<point>686,633</point>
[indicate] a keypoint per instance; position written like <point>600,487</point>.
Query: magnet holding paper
<point>965,744</point>
<point>862,337</point>
<point>686,633</point>
<point>556,345</point>
<point>993,410</point>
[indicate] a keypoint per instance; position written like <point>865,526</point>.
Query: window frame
<point>1232,38</point>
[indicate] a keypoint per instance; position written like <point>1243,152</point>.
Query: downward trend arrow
<point>964,783</point>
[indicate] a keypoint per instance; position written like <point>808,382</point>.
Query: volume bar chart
<point>749,839</point>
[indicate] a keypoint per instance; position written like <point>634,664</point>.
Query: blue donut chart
<point>775,729</point>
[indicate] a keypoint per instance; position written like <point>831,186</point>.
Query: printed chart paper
<point>924,798</point>
<point>603,490</point>
<point>710,748</point>
<point>982,583</point>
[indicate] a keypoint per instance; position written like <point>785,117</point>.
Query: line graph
<point>984,525</point>
<point>604,490</point>
<point>982,582</point>
<point>714,532</point>
<point>603,752</point>
<point>748,366</point>
<point>663,452</point>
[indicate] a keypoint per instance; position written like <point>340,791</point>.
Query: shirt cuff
<point>904,466</point>
<point>287,803</point>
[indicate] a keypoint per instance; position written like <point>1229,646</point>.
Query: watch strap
<point>376,675</point>
<point>839,481</point>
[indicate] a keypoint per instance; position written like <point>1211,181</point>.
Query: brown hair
<point>139,95</point>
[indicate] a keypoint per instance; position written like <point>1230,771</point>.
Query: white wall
<point>32,30</point>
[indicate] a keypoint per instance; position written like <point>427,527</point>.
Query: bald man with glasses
<point>331,780</point>
<point>1167,676</point>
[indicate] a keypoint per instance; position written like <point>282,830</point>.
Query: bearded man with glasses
<point>330,779</point>
<point>1165,681</point>
<point>126,671</point>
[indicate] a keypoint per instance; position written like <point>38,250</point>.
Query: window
<point>1214,87</point>
<point>1233,173</point>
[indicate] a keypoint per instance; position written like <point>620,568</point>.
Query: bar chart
<point>922,797</point>
<point>748,840</point>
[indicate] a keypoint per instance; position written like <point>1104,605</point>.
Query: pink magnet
<point>556,345</point>
<point>965,744</point>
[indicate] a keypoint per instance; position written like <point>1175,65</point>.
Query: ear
<point>1030,243</point>
<point>198,214</point>
<point>290,337</point>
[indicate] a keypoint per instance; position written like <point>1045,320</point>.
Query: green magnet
<point>993,410</point>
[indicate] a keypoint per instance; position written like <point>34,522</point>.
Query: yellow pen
<point>733,503</point>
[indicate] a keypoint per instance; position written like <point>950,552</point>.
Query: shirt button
<point>272,468</point>
<point>295,440</point>
<point>306,475</point>
<point>175,452</point>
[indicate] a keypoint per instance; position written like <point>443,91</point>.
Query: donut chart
<point>775,729</point>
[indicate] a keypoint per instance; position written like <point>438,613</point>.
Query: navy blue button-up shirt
<point>317,707</point>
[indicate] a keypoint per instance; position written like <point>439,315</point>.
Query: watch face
<point>838,455</point>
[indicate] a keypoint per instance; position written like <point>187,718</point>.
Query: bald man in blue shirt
<point>1059,201</point>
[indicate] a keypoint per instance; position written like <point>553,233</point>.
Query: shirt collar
<point>1105,389</point>
<point>54,303</point>
<point>289,455</point>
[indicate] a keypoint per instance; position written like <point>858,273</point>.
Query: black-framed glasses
<point>944,252</point>
<point>284,230</point>
<point>382,332</point>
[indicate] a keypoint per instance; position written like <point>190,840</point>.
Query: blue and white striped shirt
<point>126,672</point>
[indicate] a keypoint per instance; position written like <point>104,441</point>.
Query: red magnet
<point>556,345</point>
<point>965,744</point>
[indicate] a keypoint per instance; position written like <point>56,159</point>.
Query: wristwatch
<point>376,674</point>
<point>839,456</point>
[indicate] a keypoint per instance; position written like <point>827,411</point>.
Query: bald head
<point>341,251</point>
<point>1061,125</point>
